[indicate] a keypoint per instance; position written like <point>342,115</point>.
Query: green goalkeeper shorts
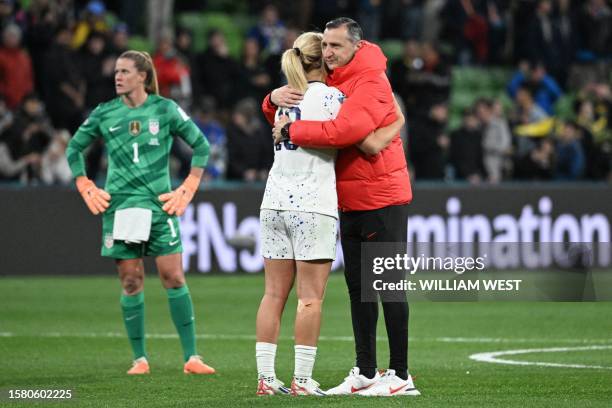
<point>165,238</point>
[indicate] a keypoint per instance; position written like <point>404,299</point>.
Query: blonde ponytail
<point>291,64</point>
<point>305,56</point>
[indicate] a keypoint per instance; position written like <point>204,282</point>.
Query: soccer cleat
<point>306,386</point>
<point>355,383</point>
<point>139,366</point>
<point>271,386</point>
<point>195,365</point>
<point>390,385</point>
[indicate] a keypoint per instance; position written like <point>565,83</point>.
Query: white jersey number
<point>135,159</point>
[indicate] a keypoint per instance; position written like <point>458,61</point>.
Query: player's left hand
<point>278,125</point>
<point>176,202</point>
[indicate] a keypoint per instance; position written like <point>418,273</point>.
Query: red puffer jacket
<point>363,182</point>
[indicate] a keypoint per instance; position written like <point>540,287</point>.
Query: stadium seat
<point>470,83</point>
<point>234,27</point>
<point>137,42</point>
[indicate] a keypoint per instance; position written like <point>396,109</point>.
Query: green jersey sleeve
<point>183,126</point>
<point>84,136</point>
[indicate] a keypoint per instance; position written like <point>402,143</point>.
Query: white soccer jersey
<point>303,179</point>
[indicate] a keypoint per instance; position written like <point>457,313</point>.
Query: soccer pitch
<point>66,333</point>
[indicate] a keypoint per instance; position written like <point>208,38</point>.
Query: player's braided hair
<point>305,56</point>
<point>144,63</point>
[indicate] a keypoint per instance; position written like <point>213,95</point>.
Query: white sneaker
<point>355,383</point>
<point>390,385</point>
<point>308,387</point>
<point>271,386</point>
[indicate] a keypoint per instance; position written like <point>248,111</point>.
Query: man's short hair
<point>353,29</point>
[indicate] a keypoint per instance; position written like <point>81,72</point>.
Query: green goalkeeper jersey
<point>138,142</point>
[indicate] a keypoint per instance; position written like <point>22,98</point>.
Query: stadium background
<point>60,326</point>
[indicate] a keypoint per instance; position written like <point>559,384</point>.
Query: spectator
<point>173,74</point>
<point>184,46</point>
<point>428,143</point>
<point>538,164</point>
<point>497,139</point>
<point>421,78</point>
<point>93,19</point>
<point>465,152</point>
<point>54,167</point>
<point>217,72</point>
<point>413,15</point>
<point>596,141</point>
<point>545,89</point>
<point>273,62</point>
<point>595,28</point>
<point>269,31</point>
<point>119,40</point>
<point>255,80</point>
<point>205,118</point>
<point>249,145</point>
<point>541,37</point>
<point>65,87</point>
<point>12,163</point>
<point>565,24</point>
<point>97,70</point>
<point>601,95</point>
<point>570,154</point>
<point>370,16</point>
<point>465,27</point>
<point>497,17</point>
<point>16,76</point>
<point>27,138</point>
<point>527,112</point>
<point>41,20</point>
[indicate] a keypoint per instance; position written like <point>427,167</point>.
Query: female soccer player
<point>139,213</point>
<point>298,223</point>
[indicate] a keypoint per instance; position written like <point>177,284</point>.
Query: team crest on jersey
<point>153,126</point>
<point>108,241</point>
<point>135,127</point>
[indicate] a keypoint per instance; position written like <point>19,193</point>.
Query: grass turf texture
<point>66,333</point>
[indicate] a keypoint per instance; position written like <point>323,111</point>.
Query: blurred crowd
<point>57,64</point>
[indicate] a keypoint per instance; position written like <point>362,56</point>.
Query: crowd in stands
<point>57,64</point>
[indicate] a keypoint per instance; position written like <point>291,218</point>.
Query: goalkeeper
<point>139,210</point>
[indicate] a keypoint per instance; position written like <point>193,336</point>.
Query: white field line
<point>322,338</point>
<point>493,356</point>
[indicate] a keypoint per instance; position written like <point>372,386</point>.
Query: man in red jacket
<point>373,193</point>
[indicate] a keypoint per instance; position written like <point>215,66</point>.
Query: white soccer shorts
<point>303,236</point>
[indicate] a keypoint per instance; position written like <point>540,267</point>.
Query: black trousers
<point>388,224</point>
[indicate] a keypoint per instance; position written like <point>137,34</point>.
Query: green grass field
<point>66,333</point>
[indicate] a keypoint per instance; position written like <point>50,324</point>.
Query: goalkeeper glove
<point>95,198</point>
<point>175,202</point>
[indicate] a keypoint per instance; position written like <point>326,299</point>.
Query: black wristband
<point>285,132</point>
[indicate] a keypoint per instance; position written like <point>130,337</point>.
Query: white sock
<point>265,353</point>
<point>304,361</point>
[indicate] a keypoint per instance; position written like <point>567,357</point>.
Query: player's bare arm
<point>286,97</point>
